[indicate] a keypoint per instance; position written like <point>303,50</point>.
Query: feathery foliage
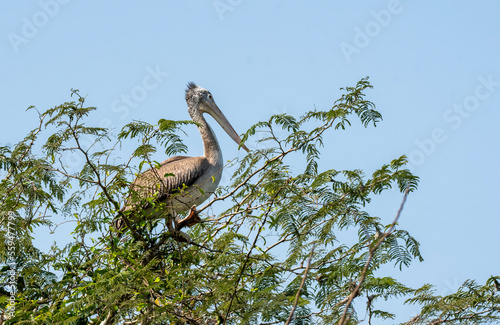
<point>269,254</point>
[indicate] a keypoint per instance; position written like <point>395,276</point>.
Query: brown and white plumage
<point>185,182</point>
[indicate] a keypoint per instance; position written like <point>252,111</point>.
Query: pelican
<point>185,182</point>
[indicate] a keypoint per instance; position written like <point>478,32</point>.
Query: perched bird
<point>185,182</point>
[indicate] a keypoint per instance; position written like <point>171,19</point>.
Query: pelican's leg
<point>174,228</point>
<point>182,237</point>
<point>171,217</point>
<point>192,219</point>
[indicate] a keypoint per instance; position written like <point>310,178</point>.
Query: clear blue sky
<point>434,65</point>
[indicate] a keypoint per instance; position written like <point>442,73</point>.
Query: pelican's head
<point>200,100</point>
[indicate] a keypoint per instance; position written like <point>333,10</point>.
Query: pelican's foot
<point>192,219</point>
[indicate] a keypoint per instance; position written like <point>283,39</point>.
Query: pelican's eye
<point>210,96</point>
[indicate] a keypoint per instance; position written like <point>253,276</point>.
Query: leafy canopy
<point>268,253</point>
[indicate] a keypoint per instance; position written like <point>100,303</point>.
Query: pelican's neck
<point>210,144</point>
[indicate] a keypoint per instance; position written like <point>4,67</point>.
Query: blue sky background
<point>434,65</point>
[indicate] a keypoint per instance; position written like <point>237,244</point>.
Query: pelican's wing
<point>181,172</point>
<point>174,173</point>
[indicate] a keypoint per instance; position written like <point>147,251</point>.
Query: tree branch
<point>372,250</point>
<point>301,286</point>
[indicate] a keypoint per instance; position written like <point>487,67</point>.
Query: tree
<point>269,255</point>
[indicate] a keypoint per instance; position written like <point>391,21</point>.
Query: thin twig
<point>301,286</point>
<point>372,250</point>
<point>261,228</point>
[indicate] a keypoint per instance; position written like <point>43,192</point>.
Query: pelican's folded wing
<point>174,174</point>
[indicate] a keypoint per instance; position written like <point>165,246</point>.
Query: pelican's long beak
<point>224,123</point>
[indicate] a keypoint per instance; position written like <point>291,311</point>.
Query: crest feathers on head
<point>191,85</point>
